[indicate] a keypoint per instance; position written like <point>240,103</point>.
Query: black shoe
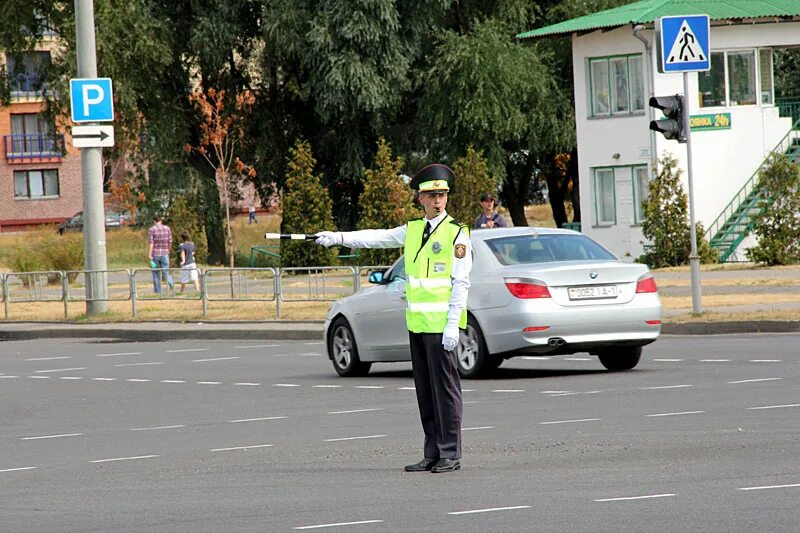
<point>423,466</point>
<point>446,465</point>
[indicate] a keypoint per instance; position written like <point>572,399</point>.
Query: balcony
<point>28,86</point>
<point>33,148</point>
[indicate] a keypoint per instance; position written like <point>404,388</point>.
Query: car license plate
<point>596,292</point>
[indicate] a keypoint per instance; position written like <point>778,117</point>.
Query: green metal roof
<point>647,11</point>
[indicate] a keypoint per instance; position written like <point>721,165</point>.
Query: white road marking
<point>354,438</point>
<point>246,383</point>
<point>571,421</point>
<point>159,427</point>
<point>679,413</point>
<point>242,447</point>
<point>60,370</point>
<point>754,380</point>
<point>310,354</point>
<point>52,436</point>
<point>8,377</point>
<point>576,393</point>
<point>137,380</point>
<point>714,360</point>
<point>70,377</point>
<point>492,509</point>
<point>173,381</point>
<point>766,360</point>
<point>368,387</point>
<point>757,488</point>
<point>508,390</point>
<point>467,390</point>
<point>354,411</point>
<point>118,354</point>
<point>577,359</point>
<point>104,379</point>
<point>407,388</point>
<point>124,458</point>
<point>257,346</point>
<point>532,358</point>
<point>189,350</point>
<point>39,377</point>
<point>208,382</point>
<point>48,358</point>
<point>18,469</point>
<point>465,402</point>
<point>665,387</point>
<point>141,364</point>
<point>257,419</point>
<point>313,343</point>
<point>326,386</point>
<point>675,360</point>
<point>650,496</point>
<point>214,359</point>
<point>776,406</point>
<point>475,428</point>
<point>340,524</point>
<point>285,385</point>
<point>554,391</point>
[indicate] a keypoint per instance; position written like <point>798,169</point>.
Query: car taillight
<point>527,288</point>
<point>646,284</point>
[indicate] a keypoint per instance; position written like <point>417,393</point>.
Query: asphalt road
<point>263,436</point>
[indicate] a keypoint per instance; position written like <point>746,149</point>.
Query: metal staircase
<point>731,227</point>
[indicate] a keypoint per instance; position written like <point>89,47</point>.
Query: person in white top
<point>436,312</point>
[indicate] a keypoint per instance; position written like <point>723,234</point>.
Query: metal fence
<point>279,285</point>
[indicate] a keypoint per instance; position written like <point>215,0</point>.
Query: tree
<point>777,223</point>
<point>666,223</point>
<point>472,180</point>
<point>220,136</point>
<point>386,202</point>
<point>307,208</point>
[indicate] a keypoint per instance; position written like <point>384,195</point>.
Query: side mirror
<point>376,277</point>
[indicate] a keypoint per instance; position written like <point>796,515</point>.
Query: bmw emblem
<point>593,274</point>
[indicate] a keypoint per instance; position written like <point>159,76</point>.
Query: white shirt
<point>396,237</point>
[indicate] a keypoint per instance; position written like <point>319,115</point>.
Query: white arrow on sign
<point>92,136</point>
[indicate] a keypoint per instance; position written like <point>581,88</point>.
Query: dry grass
<point>725,300</point>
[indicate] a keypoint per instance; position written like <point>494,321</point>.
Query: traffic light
<point>672,125</point>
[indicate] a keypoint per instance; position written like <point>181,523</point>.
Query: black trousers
<point>438,387</point>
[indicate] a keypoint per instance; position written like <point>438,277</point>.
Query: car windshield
<point>525,249</point>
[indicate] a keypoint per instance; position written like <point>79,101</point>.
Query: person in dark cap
<point>438,260</point>
<point>489,218</point>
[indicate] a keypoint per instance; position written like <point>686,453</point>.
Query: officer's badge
<point>460,251</point>
<point>436,247</point>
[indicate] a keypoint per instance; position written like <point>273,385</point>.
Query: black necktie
<point>427,232</point>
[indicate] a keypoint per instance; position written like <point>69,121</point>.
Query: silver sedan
<point>535,291</point>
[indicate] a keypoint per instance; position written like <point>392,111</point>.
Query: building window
<point>641,192</point>
<point>616,85</point>
<point>27,72</point>
<point>35,184</point>
<point>604,197</point>
<point>734,77</point>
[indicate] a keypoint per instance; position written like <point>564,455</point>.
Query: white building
<point>736,122</point>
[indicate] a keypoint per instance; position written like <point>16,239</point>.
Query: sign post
<point>684,46</point>
<point>92,101</point>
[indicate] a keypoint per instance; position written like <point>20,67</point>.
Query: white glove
<point>450,337</point>
<point>328,238</point>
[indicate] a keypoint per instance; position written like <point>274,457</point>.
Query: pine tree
<point>472,180</point>
<point>386,202</point>
<point>307,208</point>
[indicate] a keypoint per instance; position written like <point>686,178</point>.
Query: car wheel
<point>472,355</point>
<point>622,358</point>
<point>343,350</point>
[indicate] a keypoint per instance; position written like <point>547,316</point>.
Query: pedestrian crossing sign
<point>683,43</point>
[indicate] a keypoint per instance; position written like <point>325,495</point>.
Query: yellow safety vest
<point>428,268</point>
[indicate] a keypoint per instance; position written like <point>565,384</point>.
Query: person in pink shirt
<point>159,238</point>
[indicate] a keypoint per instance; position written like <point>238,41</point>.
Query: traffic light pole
<point>694,259</point>
<point>94,228</point>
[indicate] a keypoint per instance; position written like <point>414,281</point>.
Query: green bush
<point>27,259</point>
<point>62,253</point>
<point>777,225</point>
<point>181,217</point>
<point>307,208</point>
<point>666,223</point>
<point>387,202</point>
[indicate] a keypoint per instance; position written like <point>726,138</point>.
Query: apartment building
<point>40,172</point>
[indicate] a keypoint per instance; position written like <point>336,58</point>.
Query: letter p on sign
<point>91,100</point>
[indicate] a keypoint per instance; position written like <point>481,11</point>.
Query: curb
<point>166,331</point>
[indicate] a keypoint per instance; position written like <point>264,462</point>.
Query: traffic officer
<point>438,260</point>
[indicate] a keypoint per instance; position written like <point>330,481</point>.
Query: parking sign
<point>91,100</point>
